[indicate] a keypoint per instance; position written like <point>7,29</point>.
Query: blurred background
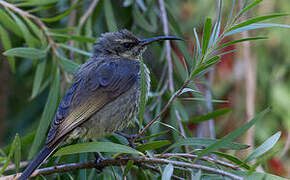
<point>268,72</point>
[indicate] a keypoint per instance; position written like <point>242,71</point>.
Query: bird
<point>104,96</point>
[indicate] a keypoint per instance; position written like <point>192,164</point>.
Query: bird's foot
<point>99,159</point>
<point>129,137</point>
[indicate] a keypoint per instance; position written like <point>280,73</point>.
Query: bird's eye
<point>127,45</point>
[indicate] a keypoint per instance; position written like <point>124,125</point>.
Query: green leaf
<point>153,145</point>
<point>38,77</point>
<point>256,26</point>
<point>203,99</point>
<point>36,3</point>
<point>47,115</point>
<point>36,30</point>
<point>253,4</point>
<point>206,142</point>
<point>206,35</point>
<point>17,153</point>
<point>168,171</point>
<point>142,104</point>
<point>96,147</point>
<point>6,43</point>
<point>210,115</point>
<point>263,148</point>
<point>240,40</point>
<point>76,50</point>
<point>29,39</point>
<point>233,135</point>
<point>9,23</point>
<point>109,15</point>
<point>62,15</point>
<point>255,20</point>
<point>152,136</point>
<point>8,159</point>
<point>129,165</point>
<point>233,159</point>
<point>140,20</point>
<point>30,53</point>
<point>68,65</point>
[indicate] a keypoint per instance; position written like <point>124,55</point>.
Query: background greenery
<point>44,42</point>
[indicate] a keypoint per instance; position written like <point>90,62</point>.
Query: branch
<point>88,12</point>
<point>120,162</point>
<point>36,19</point>
<point>205,158</point>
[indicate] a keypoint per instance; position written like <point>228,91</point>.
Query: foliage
<point>46,41</point>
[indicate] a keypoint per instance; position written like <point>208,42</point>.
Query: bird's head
<point>125,44</point>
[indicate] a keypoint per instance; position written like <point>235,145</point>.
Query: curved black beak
<point>144,42</point>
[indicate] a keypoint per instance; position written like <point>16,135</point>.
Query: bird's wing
<point>94,87</point>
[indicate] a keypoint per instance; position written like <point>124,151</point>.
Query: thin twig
<point>193,156</point>
<point>175,95</point>
<point>121,162</point>
<point>169,60</point>
<point>250,82</point>
<point>88,12</point>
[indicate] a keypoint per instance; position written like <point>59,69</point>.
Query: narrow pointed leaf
<point>47,115</point>
<point>6,43</point>
<point>68,65</point>
<point>206,142</point>
<point>263,148</point>
<point>109,15</point>
<point>30,53</point>
<point>96,147</point>
<point>240,40</point>
<point>233,135</point>
<point>210,115</point>
<point>38,77</point>
<point>206,35</point>
<point>168,171</point>
<point>153,145</point>
<point>256,20</point>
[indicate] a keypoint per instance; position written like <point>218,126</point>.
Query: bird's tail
<point>36,162</point>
